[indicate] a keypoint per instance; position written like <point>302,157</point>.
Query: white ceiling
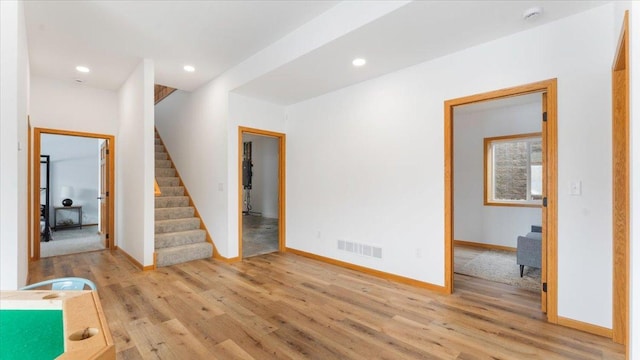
<point>416,32</point>
<point>111,37</point>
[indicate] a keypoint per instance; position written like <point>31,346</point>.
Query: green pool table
<point>53,325</point>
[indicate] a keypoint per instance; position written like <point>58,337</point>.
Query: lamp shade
<point>65,193</point>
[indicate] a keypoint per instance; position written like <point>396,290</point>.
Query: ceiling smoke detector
<point>532,13</point>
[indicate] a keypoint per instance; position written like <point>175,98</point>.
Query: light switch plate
<point>575,188</point>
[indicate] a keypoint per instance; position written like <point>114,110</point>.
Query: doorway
<point>73,188</point>
<point>548,273</point>
<point>497,163</point>
<point>261,180</point>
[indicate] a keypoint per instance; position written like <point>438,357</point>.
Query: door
<point>104,192</point>
<point>549,271</point>
<point>280,180</point>
<point>545,143</point>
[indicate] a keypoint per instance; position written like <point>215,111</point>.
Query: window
<point>513,170</point>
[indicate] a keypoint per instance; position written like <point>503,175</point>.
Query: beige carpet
<point>72,241</point>
<point>493,265</point>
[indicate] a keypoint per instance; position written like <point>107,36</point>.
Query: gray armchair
<point>529,251</point>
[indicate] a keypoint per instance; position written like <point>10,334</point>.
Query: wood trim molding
<point>228,260</point>
<point>160,92</point>
<point>550,212</point>
<point>35,211</point>
<point>483,245</point>
<point>282,179</point>
<point>136,262</point>
<point>369,271</point>
<point>156,188</point>
<point>586,327</point>
<point>30,219</point>
<point>35,214</point>
<point>621,187</point>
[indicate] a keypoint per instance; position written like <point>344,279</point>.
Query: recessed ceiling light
<point>359,62</point>
<point>82,69</point>
<point>189,68</point>
<point>532,13</point>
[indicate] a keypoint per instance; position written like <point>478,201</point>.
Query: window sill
<point>513,204</point>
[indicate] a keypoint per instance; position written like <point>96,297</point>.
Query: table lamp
<point>65,194</point>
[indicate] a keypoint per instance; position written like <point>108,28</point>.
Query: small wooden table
<point>51,324</point>
<point>77,209</point>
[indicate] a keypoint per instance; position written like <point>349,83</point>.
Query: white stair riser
<point>172,190</point>
<point>177,255</point>
<point>171,201</point>
<point>165,172</point>
<point>163,163</point>
<point>180,238</point>
<point>174,213</point>
<point>167,181</point>
<point>176,225</point>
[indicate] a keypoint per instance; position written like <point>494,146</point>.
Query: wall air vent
<point>362,249</point>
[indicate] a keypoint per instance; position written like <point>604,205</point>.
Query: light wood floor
<point>282,306</point>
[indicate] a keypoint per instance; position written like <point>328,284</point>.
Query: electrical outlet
<point>418,253</point>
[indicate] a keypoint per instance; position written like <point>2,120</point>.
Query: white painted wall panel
<point>365,163</point>
<point>14,108</point>
<point>205,148</point>
<point>66,105</point>
<point>135,166</point>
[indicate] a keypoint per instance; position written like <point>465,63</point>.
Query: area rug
<point>72,241</point>
<point>499,266</point>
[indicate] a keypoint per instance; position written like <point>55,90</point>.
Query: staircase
<point>178,234</point>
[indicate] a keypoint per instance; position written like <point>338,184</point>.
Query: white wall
<point>14,108</point>
<point>634,30</point>
<point>192,127</point>
<point>365,163</point>
<point>208,117</point>
<point>473,221</point>
<point>264,192</point>
<point>74,162</point>
<point>135,165</point>
<point>66,105</point>
<point>257,114</point>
